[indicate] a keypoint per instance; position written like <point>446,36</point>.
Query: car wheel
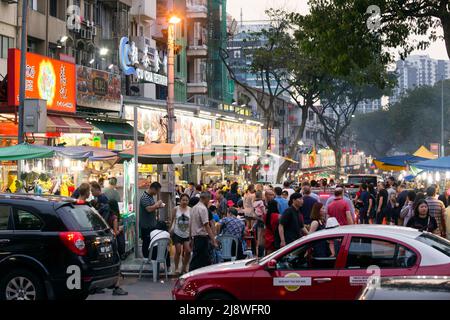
<point>216,296</point>
<point>21,284</point>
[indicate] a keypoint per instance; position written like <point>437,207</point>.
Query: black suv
<point>53,248</point>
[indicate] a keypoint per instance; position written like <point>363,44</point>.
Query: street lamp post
<point>173,20</point>
<point>23,67</point>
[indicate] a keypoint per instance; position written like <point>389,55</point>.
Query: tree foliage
<point>414,121</point>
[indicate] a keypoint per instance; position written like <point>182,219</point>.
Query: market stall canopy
<point>440,164</point>
<point>424,153</point>
<point>396,163</point>
<point>116,130</point>
<point>85,152</point>
<point>167,153</point>
<point>25,152</point>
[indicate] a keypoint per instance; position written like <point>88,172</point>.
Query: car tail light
<point>74,241</point>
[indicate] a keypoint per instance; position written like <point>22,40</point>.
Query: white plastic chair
<point>226,243</point>
<point>161,257</point>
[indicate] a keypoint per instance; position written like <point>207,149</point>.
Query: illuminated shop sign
<point>45,78</point>
<point>148,66</point>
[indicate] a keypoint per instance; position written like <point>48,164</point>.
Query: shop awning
<point>166,153</point>
<point>24,152</point>
<point>67,124</point>
<point>115,130</point>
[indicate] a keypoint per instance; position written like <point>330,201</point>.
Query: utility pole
<point>23,69</point>
<point>442,117</point>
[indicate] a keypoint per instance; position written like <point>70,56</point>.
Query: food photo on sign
<point>98,89</point>
<point>45,78</point>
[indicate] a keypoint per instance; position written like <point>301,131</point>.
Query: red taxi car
<point>304,270</point>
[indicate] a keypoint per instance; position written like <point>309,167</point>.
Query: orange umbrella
<point>167,153</point>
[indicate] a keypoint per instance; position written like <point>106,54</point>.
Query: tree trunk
<point>293,146</point>
<point>446,27</point>
<point>338,164</point>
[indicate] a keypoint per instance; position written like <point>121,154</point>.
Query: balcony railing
<point>198,78</point>
<point>196,3</point>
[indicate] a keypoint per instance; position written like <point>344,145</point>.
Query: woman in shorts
<point>180,233</point>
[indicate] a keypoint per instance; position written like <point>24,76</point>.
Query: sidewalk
<point>131,266</point>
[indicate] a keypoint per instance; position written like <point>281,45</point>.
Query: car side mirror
<point>271,265</point>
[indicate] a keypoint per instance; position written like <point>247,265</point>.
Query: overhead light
<point>92,61</point>
<point>437,176</point>
<point>66,162</point>
<point>64,39</point>
<point>174,20</point>
<point>103,51</point>
<point>353,115</point>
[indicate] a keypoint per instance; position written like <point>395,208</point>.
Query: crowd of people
<point>264,218</point>
<point>425,209</point>
<point>261,218</point>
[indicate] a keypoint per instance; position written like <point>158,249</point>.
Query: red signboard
<point>47,79</point>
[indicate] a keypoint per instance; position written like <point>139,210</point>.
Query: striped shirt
<point>436,208</point>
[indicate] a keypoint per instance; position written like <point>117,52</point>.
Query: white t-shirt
<point>181,226</point>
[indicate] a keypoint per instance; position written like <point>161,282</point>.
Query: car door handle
<point>321,280</point>
<point>4,240</point>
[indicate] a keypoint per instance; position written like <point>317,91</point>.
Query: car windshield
<point>275,253</point>
<point>436,242</point>
<point>357,180</point>
<point>81,218</point>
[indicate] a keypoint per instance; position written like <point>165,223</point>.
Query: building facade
<point>416,71</point>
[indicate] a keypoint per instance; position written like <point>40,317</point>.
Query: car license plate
<point>105,249</point>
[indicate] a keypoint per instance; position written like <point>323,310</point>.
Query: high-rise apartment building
<point>416,71</point>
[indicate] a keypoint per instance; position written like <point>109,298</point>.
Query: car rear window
<point>436,242</point>
<point>81,218</point>
<point>357,180</point>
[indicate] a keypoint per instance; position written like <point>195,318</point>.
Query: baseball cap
<point>230,203</point>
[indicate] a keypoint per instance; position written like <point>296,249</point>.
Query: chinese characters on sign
<point>132,65</point>
<point>45,78</point>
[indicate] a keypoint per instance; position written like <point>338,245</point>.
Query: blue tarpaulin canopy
<point>440,164</point>
<point>402,160</point>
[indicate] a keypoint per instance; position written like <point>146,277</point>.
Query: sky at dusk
<point>254,12</point>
